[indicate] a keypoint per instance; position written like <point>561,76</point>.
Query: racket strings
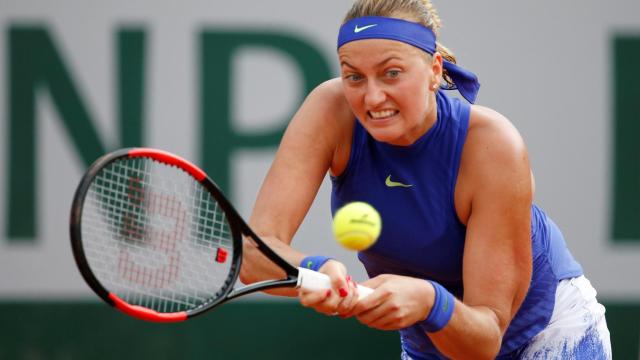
<point>151,233</point>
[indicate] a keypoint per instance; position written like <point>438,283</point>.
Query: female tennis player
<point>466,267</point>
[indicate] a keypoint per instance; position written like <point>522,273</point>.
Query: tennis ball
<point>357,225</point>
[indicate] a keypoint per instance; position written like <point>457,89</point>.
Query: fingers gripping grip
<point>312,280</point>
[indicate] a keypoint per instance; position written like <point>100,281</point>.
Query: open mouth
<point>382,115</point>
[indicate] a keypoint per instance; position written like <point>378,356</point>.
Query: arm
<point>495,178</point>
<point>306,152</point>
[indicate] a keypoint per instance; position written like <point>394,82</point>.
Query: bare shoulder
<point>331,95</point>
<point>327,119</point>
<point>331,88</point>
<point>322,115</point>
<point>492,137</point>
<point>494,158</point>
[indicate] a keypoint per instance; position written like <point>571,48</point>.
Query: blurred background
<point>217,82</point>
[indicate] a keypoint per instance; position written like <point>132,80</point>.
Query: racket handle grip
<point>313,280</point>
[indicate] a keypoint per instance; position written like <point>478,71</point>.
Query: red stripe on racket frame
<point>144,313</point>
<point>169,158</point>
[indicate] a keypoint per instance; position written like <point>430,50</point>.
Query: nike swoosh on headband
<point>358,29</point>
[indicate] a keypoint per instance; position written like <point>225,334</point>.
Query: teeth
<point>382,114</point>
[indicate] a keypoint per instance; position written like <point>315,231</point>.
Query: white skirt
<point>577,329</point>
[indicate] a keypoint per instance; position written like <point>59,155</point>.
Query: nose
<point>374,95</point>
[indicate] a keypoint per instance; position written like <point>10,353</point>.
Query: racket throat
<point>290,282</point>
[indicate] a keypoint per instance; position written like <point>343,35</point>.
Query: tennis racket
<point>153,236</point>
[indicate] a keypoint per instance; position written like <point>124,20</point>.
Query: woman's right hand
<point>341,299</point>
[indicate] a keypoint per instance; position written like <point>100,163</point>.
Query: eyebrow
<point>392,57</point>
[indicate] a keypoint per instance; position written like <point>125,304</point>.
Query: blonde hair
<point>420,11</point>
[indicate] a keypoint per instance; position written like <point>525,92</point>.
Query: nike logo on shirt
<point>391,183</point>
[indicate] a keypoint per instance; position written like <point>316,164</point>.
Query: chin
<point>388,131</point>
<point>384,135</point>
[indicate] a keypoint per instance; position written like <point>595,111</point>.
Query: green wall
<point>241,330</point>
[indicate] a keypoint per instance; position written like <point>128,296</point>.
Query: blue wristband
<point>314,262</point>
<point>441,311</point>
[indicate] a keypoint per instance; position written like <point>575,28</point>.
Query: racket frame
<point>238,226</point>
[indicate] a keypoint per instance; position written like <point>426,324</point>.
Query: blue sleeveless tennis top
<point>413,189</point>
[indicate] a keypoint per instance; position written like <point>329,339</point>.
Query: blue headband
<point>377,27</point>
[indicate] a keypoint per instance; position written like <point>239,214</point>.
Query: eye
<point>353,77</point>
<point>393,73</point>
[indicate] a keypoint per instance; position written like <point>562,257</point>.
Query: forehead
<point>372,49</point>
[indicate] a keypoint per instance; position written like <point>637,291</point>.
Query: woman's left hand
<point>396,302</point>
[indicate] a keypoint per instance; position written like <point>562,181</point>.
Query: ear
<point>436,67</point>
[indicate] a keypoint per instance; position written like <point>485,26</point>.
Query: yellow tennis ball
<point>357,225</point>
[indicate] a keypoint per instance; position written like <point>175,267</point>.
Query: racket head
<point>131,258</point>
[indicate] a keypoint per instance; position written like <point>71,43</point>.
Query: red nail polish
<point>328,293</point>
<point>343,292</point>
<point>348,278</point>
